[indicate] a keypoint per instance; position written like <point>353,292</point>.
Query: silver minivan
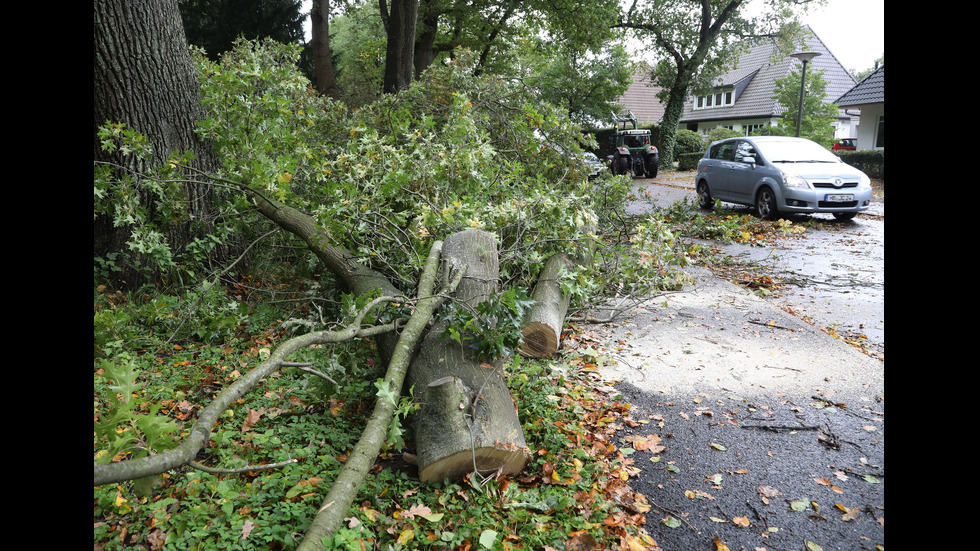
<point>779,174</point>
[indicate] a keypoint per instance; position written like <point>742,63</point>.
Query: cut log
<point>542,326</point>
<point>467,420</point>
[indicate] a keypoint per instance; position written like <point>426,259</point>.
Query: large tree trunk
<point>326,82</point>
<point>400,23</point>
<point>145,78</point>
<point>427,28</point>
<point>467,419</point>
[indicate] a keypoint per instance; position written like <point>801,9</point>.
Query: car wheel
<point>705,200</point>
<point>765,204</point>
<point>844,215</point>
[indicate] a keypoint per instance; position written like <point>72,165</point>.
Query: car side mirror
<point>750,160</point>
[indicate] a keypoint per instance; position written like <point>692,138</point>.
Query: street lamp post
<point>804,57</point>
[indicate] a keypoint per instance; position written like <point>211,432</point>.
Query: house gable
<point>757,70</point>
<point>868,97</point>
<point>868,91</point>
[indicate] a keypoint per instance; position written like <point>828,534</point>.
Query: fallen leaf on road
<point>849,513</point>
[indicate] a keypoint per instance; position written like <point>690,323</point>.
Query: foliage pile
<point>452,152</point>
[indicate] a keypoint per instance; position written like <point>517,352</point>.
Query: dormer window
<point>719,98</point>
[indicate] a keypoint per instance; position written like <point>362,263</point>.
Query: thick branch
<point>354,276</point>
<point>343,490</point>
<point>201,431</point>
<point>541,333</point>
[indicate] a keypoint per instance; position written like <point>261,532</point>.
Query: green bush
<point>871,162</point>
<point>689,161</point>
<point>722,134</point>
<point>687,141</point>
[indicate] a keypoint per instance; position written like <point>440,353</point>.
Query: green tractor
<point>633,151</point>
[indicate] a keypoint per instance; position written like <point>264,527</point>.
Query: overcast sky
<point>853,30</point>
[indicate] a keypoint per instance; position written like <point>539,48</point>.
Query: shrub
<point>871,162</point>
<point>687,141</point>
<point>722,134</point>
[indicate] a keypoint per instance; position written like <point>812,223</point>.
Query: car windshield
<point>796,152</point>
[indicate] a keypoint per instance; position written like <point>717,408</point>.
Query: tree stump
<point>467,420</point>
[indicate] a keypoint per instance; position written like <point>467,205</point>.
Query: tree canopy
<point>214,25</point>
<point>818,114</point>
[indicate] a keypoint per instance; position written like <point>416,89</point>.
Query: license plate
<point>838,198</point>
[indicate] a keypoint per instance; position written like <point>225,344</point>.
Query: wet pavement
<point>833,276</point>
<point>754,427</point>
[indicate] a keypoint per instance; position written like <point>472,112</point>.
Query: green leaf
<point>799,505</point>
<point>488,538</point>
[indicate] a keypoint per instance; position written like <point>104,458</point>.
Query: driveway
<point>751,428</point>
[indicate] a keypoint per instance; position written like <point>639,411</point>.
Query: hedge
<point>870,161</point>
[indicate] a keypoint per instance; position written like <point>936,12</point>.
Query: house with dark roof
<point>867,98</point>
<point>742,99</point>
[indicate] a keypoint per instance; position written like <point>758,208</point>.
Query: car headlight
<point>793,180</point>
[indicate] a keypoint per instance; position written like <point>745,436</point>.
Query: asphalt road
<point>754,429</point>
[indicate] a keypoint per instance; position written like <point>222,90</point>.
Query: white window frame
<point>716,99</point>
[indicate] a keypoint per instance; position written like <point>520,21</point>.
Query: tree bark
<point>400,23</point>
<point>427,27</point>
<point>326,81</point>
<point>144,77</point>
<point>467,421</point>
<point>541,333</point>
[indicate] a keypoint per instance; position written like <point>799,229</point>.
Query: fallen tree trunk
<point>541,333</point>
<point>467,420</point>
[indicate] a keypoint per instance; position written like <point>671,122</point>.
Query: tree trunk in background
<point>400,23</point>
<point>145,78</point>
<point>427,26</point>
<point>326,82</point>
